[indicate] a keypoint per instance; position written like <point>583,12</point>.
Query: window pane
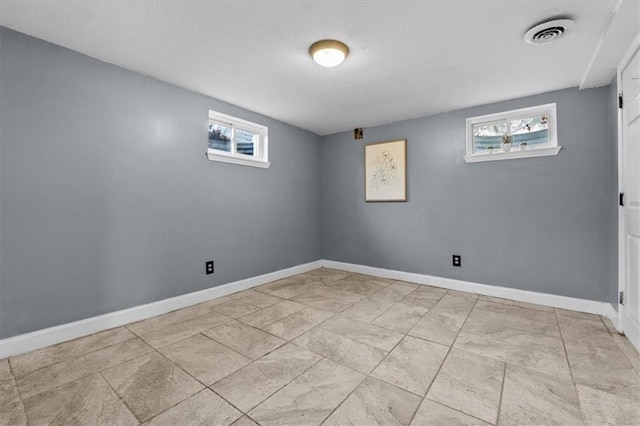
<point>219,137</point>
<point>488,135</point>
<point>245,142</point>
<point>531,130</point>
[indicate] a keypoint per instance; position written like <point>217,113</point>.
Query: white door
<point>630,186</point>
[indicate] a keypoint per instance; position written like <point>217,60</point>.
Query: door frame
<point>622,281</point>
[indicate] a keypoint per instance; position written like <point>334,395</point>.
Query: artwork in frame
<point>385,169</point>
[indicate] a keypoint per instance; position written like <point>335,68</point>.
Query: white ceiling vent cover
<point>548,31</point>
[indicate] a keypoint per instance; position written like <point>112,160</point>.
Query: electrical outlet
<point>457,260</point>
<point>209,267</point>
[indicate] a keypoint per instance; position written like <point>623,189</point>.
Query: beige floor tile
<point>377,403</point>
<point>412,365</point>
<point>425,296</point>
<point>256,298</point>
<point>166,320</point>
<point>5,370</point>
<point>553,363</point>
<point>603,408</point>
<point>363,332</point>
<point>363,287</point>
<point>400,317</point>
<point>246,340</point>
<point>327,274</point>
<point>504,332</point>
<point>515,311</point>
<point>443,322</point>
<point>365,277</point>
<point>434,414</point>
<point>395,291</point>
<point>629,350</point>
<point>204,408</point>
<point>33,360</point>
<point>584,335</point>
<point>184,329</point>
<point>320,300</point>
<point>605,370</point>
<point>533,398</point>
<point>231,307</point>
<point>289,287</point>
<point>151,384</point>
<point>612,328</point>
<point>523,324</point>
<point>368,309</point>
<point>337,294</point>
<point>351,353</point>
<point>438,327</point>
<point>296,324</point>
<point>469,383</point>
<point>52,376</point>
<point>11,409</point>
<point>244,421</point>
<point>576,314</point>
<point>273,313</point>
<point>206,360</point>
<point>533,306</point>
<point>496,300</point>
<point>254,383</point>
<point>309,398</point>
<point>88,401</point>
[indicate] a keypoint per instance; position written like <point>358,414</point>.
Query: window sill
<point>513,154</point>
<point>222,158</point>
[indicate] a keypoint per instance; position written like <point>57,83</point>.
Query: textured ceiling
<point>408,58</point>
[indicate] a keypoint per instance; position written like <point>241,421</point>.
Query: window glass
<point>531,130</point>
<point>220,137</point>
<point>246,142</point>
<point>488,135</point>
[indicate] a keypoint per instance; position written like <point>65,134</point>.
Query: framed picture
<point>385,169</point>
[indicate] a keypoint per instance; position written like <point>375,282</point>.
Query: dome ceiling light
<point>328,53</point>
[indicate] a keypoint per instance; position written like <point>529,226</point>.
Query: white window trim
<point>548,149</point>
<point>261,157</point>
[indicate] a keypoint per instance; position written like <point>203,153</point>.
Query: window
<point>232,140</point>
<point>532,132</point>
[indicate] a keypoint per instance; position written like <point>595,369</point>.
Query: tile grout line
<point>367,375</point>
<point>504,379</point>
<point>186,338</point>
<point>204,387</point>
<point>575,385</point>
<point>435,376</point>
<point>73,357</point>
<point>119,397</point>
<point>20,398</point>
<point>280,388</point>
<point>404,335</point>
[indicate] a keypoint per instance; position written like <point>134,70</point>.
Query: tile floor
<point>335,348</point>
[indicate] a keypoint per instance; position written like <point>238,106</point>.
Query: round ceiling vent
<point>548,31</point>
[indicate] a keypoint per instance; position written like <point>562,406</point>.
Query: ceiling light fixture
<point>328,53</point>
<point>548,31</point>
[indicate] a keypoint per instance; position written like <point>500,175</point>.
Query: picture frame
<point>385,170</point>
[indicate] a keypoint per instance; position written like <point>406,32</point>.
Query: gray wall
<point>109,202</point>
<point>539,224</point>
<point>612,104</point>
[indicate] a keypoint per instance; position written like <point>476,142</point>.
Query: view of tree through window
<point>220,137</point>
<point>530,130</point>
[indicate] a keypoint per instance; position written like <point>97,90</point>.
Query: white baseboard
<point>50,336</point>
<point>570,303</point>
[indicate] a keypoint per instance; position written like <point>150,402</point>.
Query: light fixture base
<point>328,53</point>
